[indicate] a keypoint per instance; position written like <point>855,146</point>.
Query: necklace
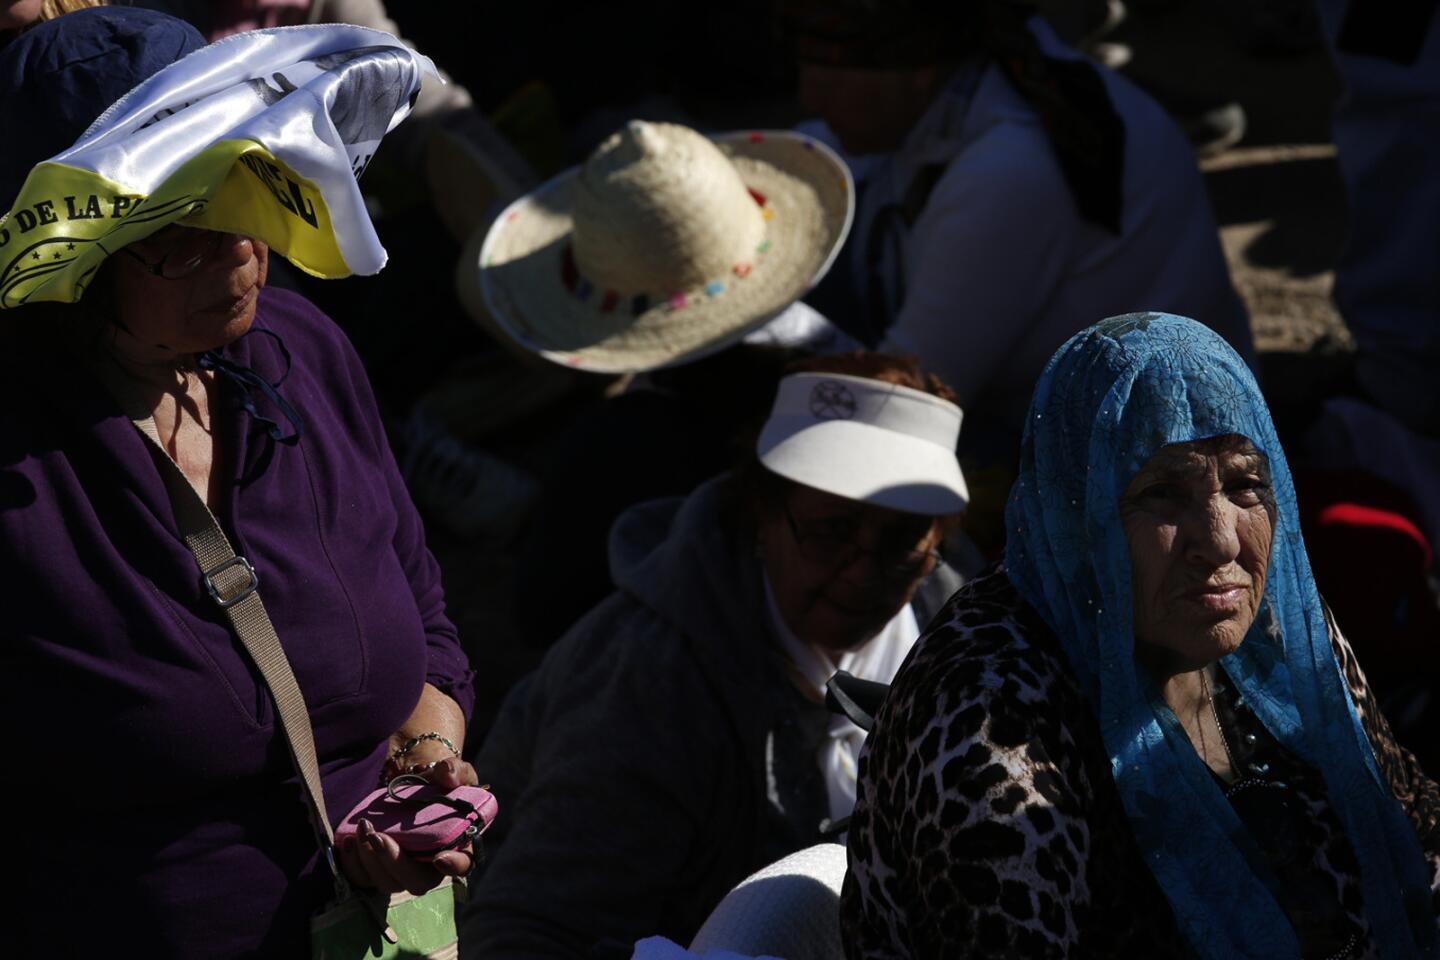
<point>1215,715</point>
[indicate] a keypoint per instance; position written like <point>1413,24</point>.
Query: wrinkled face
<point>1199,518</point>
<point>870,110</point>
<point>841,569</point>
<point>206,308</point>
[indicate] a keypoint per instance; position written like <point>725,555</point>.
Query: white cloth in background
<point>801,325</point>
<point>789,909</point>
<point>999,269</point>
<point>797,327</point>
<point>877,660</point>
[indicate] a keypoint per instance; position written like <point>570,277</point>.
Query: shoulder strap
<point>859,700</point>
<point>232,583</point>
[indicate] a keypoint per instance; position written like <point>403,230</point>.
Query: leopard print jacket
<point>988,825</point>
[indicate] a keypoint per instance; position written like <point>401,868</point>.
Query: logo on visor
<point>832,400</point>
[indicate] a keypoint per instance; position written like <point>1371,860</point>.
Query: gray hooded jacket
<point>658,756</point>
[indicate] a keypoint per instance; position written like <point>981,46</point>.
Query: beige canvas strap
<point>232,583</point>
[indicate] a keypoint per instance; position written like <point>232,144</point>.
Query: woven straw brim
<point>520,270</point>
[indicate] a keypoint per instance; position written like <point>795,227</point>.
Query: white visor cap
<point>866,440</point>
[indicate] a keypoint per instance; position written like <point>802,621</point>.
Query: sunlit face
<point>204,310</point>
<point>1199,519</point>
<point>870,110</point>
<point>841,569</point>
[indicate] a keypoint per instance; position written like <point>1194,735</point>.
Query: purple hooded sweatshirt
<point>150,803</point>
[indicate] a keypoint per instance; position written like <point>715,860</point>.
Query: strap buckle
<point>209,580</point>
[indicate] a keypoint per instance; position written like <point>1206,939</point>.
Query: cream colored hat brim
<point>868,440</point>
<point>811,193</point>
<point>869,464</point>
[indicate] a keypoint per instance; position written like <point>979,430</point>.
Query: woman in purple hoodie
<point>162,784</point>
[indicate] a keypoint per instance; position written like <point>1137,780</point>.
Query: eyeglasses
<point>175,252</point>
<point>834,544</point>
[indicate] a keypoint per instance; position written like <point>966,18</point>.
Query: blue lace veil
<point>1109,399</point>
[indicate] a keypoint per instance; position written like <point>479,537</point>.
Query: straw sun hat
<point>666,245</point>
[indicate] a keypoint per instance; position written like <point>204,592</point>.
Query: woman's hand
<point>374,861</point>
<point>435,730</point>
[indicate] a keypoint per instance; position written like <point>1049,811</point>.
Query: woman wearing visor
<point>676,739</point>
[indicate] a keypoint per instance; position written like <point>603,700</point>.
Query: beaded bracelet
<point>393,767</point>
<point>418,739</point>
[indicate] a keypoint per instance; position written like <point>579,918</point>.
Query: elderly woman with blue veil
<point>1143,734</point>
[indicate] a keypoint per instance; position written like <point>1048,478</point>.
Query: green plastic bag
<point>409,928</point>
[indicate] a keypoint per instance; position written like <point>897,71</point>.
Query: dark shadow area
<point>1189,53</point>
<point>406,322</point>
<point>16,490</point>
<point>1306,236</point>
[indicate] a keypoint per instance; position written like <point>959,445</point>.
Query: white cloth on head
<point>877,660</point>
<point>262,134</point>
